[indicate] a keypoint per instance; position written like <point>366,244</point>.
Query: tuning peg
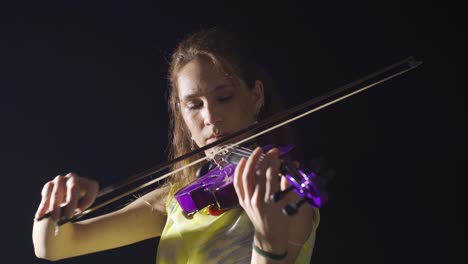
<point>292,208</point>
<point>280,194</point>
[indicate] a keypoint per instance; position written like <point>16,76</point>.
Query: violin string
<point>245,153</point>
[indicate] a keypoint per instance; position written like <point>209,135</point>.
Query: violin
<point>215,188</point>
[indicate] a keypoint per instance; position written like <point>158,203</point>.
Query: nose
<point>212,115</point>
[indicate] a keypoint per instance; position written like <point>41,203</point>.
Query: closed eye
<point>193,106</point>
<point>225,98</point>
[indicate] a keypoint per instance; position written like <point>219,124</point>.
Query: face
<point>211,106</point>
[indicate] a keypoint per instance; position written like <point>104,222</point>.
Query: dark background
<point>82,88</point>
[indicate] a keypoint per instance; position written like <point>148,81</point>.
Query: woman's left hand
<point>254,182</point>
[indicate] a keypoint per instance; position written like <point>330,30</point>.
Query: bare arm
<point>141,219</point>
<point>300,229</point>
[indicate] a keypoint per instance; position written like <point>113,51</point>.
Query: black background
<point>82,88</point>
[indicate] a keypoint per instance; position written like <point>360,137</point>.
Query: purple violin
<point>215,188</point>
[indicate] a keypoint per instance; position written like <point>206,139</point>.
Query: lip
<point>214,138</point>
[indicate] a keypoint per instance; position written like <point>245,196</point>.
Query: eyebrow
<point>217,88</point>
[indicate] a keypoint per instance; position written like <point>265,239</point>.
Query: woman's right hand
<point>67,195</point>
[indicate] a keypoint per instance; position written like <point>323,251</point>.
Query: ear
<point>258,96</point>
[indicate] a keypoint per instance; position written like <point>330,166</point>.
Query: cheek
<point>248,106</point>
<point>192,121</point>
<point>246,114</point>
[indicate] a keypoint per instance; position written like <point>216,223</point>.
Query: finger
<point>284,183</point>
<point>45,200</point>
<point>72,196</point>
<point>272,182</point>
<point>57,196</point>
<point>91,191</point>
<point>290,196</point>
<point>248,177</point>
<point>260,179</point>
<point>238,180</point>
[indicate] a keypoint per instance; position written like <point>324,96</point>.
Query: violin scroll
<point>306,185</point>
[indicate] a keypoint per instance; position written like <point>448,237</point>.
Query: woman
<point>216,88</point>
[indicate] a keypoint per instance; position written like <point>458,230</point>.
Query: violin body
<point>216,188</point>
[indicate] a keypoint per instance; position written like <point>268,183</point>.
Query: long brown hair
<point>229,51</point>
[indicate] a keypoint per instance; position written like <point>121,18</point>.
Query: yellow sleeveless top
<point>203,238</point>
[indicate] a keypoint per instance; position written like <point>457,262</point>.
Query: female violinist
<point>216,89</point>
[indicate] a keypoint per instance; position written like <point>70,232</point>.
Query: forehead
<point>200,76</point>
